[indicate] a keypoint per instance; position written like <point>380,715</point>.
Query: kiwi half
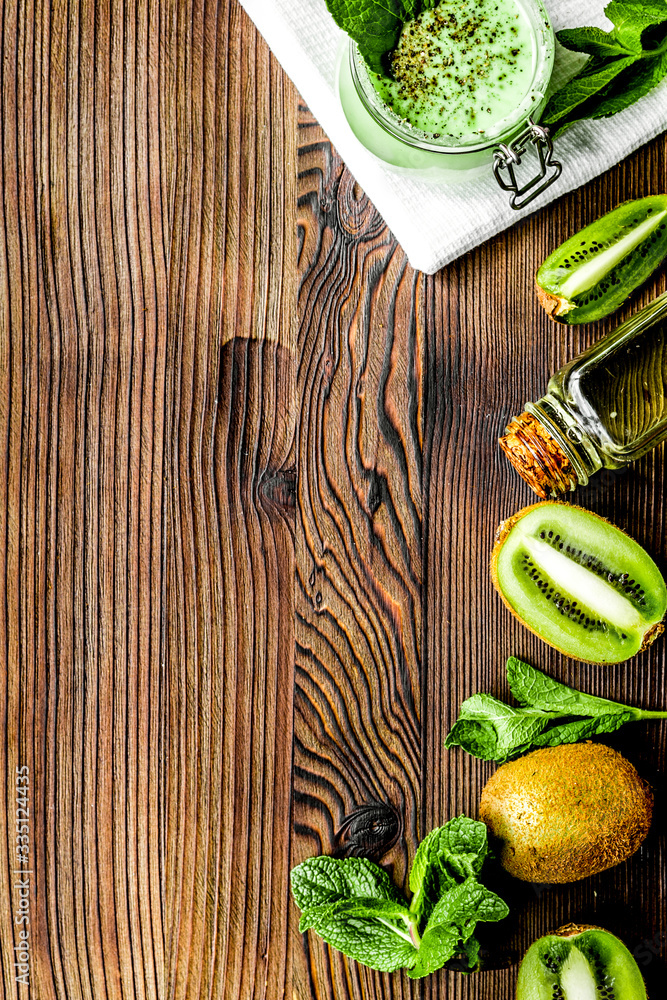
<point>579,963</point>
<point>578,582</point>
<point>593,272</point>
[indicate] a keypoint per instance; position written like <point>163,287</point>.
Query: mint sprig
<point>624,65</point>
<point>448,855</point>
<point>452,924</point>
<point>549,714</point>
<point>375,25</point>
<point>373,932</point>
<point>353,905</point>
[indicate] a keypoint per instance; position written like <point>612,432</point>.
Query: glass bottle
<point>604,409</point>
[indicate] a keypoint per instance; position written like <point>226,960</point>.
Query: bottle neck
<point>549,449</point>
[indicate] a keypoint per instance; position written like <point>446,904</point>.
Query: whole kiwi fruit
<point>563,813</point>
<point>578,962</point>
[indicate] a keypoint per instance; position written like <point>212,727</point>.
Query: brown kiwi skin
<point>555,306</point>
<point>503,531</point>
<point>571,930</point>
<point>549,828</point>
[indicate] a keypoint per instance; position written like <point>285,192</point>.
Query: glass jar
<point>604,409</point>
<point>408,150</point>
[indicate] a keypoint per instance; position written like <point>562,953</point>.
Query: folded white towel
<point>435,223</point>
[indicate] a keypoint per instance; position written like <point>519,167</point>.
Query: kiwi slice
<point>578,582</point>
<point>579,963</point>
<point>593,272</point>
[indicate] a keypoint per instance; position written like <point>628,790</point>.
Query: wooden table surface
<point>249,484</point>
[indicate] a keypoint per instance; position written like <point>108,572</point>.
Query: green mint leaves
<point>448,896</point>
<point>375,25</point>
<point>447,856</point>
<point>624,64</point>
<point>452,923</point>
<point>550,713</point>
<point>353,905</point>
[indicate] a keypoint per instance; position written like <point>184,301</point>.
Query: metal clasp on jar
<point>507,157</point>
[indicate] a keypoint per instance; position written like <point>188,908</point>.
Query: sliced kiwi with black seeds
<point>578,582</point>
<point>579,963</point>
<point>593,272</point>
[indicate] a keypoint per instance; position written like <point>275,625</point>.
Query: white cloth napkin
<point>435,223</point>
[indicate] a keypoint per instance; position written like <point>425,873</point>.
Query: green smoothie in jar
<point>460,68</point>
<point>464,80</point>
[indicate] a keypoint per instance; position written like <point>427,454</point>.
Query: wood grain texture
<point>486,348</point>
<point>147,249</point>
<point>359,496</point>
<point>243,551</point>
<point>83,277</point>
<point>230,511</point>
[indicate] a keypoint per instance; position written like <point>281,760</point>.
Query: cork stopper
<point>538,457</point>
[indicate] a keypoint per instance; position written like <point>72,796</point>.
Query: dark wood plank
<point>147,273</point>
<point>358,598</point>
<point>230,511</point>
<point>83,277</point>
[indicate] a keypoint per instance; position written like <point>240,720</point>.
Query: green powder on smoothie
<point>460,68</point>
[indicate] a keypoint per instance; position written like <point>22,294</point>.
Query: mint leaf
<point>375,25</point>
<point>465,905</point>
<point>629,86</point>
<point>354,907</point>
<point>470,954</point>
<point>532,687</point>
<point>624,65</point>
<point>631,20</point>
<point>551,713</point>
<point>373,932</point>
<point>582,729</point>
<point>452,924</point>
<point>593,78</point>
<point>326,880</point>
<point>477,736</point>
<point>592,41</point>
<point>631,23</point>
<point>437,948</point>
<point>427,881</point>
<point>491,730</point>
<point>447,856</point>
